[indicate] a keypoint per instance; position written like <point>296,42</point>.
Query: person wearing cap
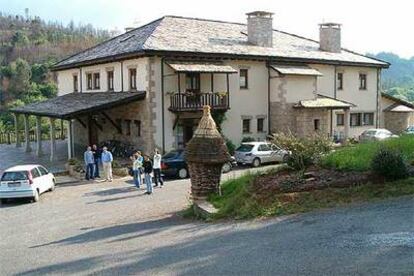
<point>107,159</point>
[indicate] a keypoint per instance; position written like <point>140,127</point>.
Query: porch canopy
<point>324,102</point>
<point>201,67</point>
<point>73,105</point>
<point>302,70</point>
<point>399,108</point>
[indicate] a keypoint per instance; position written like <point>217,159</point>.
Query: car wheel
<point>183,173</point>
<point>53,186</point>
<point>285,158</point>
<point>256,162</point>
<point>226,167</point>
<point>36,196</point>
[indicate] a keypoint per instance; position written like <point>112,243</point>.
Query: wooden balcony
<point>184,102</point>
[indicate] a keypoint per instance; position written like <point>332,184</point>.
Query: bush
<point>248,139</point>
<point>389,164</point>
<point>304,151</point>
<point>73,161</point>
<point>231,147</point>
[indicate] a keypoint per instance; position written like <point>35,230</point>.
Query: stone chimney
<point>260,28</point>
<point>330,37</point>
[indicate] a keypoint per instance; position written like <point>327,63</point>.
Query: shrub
<point>248,139</point>
<point>389,164</point>
<point>231,147</point>
<point>304,151</point>
<point>73,161</point>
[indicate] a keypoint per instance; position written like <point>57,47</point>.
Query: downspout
<point>335,96</point>
<point>378,97</point>
<point>268,97</point>
<point>162,105</point>
<point>80,79</point>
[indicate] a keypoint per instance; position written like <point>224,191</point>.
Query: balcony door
<point>192,82</point>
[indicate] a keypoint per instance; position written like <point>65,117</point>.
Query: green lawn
<point>239,202</point>
<point>358,157</point>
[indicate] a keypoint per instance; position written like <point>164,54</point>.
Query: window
<point>43,171</point>
<point>243,79</point>
<point>362,81</point>
<point>340,83</point>
<point>355,119</point>
<point>316,124</point>
<point>96,81</point>
<point>75,83</point>
<point>138,125</point>
<point>133,79</point>
<point>260,125</point>
<point>14,176</point>
<point>264,147</point>
<point>110,79</point>
<point>246,125</point>
<point>128,127</point>
<point>89,81</point>
<point>340,119</point>
<point>35,173</point>
<point>369,119</point>
<point>192,82</point>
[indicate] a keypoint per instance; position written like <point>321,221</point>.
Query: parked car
<point>257,153</point>
<point>26,181</point>
<point>376,134</point>
<point>409,130</point>
<point>173,164</point>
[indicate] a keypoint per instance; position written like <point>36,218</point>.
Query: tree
<point>20,80</point>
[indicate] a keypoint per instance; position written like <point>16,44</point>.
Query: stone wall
<point>396,122</point>
<point>282,117</point>
<point>305,121</point>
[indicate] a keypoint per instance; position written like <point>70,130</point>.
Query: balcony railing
<point>182,102</point>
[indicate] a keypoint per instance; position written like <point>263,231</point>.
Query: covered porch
<point>316,116</point>
<point>73,108</point>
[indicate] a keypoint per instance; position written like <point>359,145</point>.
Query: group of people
<point>93,157</point>
<point>142,165</point>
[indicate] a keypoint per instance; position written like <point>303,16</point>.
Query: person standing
<point>136,168</point>
<point>89,163</point>
<point>97,153</point>
<point>147,165</point>
<point>107,163</point>
<point>157,168</point>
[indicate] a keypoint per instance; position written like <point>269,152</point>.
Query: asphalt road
<point>113,229</point>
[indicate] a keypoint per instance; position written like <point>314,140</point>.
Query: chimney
<point>330,37</point>
<point>260,28</point>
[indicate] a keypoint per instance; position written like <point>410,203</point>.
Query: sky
<point>367,26</point>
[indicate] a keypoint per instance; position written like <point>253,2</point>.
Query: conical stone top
<point>207,144</point>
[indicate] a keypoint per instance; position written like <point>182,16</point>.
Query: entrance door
<point>188,133</point>
<point>93,131</point>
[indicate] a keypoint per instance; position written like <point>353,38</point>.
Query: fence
<point>10,137</point>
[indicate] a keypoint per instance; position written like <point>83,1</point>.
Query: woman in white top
<point>157,168</point>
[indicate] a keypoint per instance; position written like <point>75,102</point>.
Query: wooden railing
<point>195,102</point>
<point>10,137</point>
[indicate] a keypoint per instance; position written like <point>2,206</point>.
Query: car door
<point>46,178</point>
<point>37,181</point>
<point>277,153</point>
<point>264,152</point>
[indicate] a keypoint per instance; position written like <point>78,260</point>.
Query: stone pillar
<point>70,137</point>
<point>16,130</point>
<point>346,123</point>
<point>52,140</point>
<point>26,133</point>
<point>38,136</point>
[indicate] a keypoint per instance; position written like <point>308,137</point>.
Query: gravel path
<point>113,229</point>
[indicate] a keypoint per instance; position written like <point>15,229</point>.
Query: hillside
<point>398,80</point>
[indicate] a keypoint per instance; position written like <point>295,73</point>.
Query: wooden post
<point>28,148</point>
<point>346,123</point>
<point>52,140</point>
<point>62,132</point>
<point>39,136</point>
<point>70,138</point>
<point>16,130</point>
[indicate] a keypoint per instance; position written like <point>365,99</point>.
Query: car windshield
<point>172,154</point>
<point>13,176</point>
<point>245,148</point>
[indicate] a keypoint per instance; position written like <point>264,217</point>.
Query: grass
<point>237,202</point>
<point>358,157</point>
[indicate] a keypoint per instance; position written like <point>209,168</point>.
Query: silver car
<point>257,153</point>
<point>376,134</point>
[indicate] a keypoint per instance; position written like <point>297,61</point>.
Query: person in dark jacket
<point>97,153</point>
<point>147,165</point>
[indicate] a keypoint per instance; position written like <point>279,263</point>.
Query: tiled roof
<point>201,67</point>
<point>296,70</point>
<point>75,104</point>
<point>399,108</point>
<point>324,102</point>
<point>191,35</point>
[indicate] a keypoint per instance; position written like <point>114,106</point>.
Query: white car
<point>257,153</point>
<point>376,134</point>
<point>26,181</point>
